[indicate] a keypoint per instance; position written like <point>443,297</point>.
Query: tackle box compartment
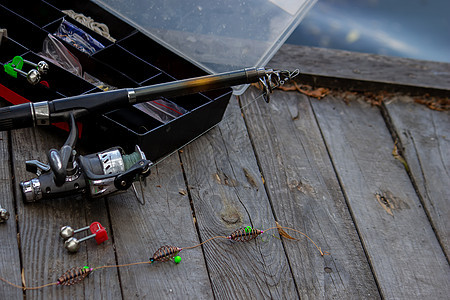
<point>132,60</point>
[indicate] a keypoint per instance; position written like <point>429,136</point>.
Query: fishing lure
<point>245,234</point>
<point>74,276</point>
<point>165,253</point>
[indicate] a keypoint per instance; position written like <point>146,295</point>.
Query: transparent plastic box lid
<point>216,35</point>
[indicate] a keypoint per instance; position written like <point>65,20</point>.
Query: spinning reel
<point>95,175</point>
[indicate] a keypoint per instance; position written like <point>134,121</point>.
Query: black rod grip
<point>17,116</point>
<point>100,102</point>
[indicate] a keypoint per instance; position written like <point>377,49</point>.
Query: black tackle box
<point>132,60</point>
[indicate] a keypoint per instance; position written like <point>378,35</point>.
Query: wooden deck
<point>325,167</point>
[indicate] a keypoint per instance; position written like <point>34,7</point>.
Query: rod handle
<point>17,116</point>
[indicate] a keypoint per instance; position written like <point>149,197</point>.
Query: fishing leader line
<point>166,253</point>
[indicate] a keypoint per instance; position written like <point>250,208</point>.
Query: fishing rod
<point>110,171</point>
<point>48,112</point>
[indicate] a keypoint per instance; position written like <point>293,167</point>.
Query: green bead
<point>177,259</point>
<point>248,228</point>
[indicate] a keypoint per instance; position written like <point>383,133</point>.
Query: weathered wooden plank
<point>227,193</point>
<point>165,219</point>
<point>43,252</point>
<point>371,68</point>
<point>404,252</point>
<point>306,195</point>
<point>9,248</point>
<point>423,134</point>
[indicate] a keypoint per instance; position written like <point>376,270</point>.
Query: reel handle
<point>59,160</point>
